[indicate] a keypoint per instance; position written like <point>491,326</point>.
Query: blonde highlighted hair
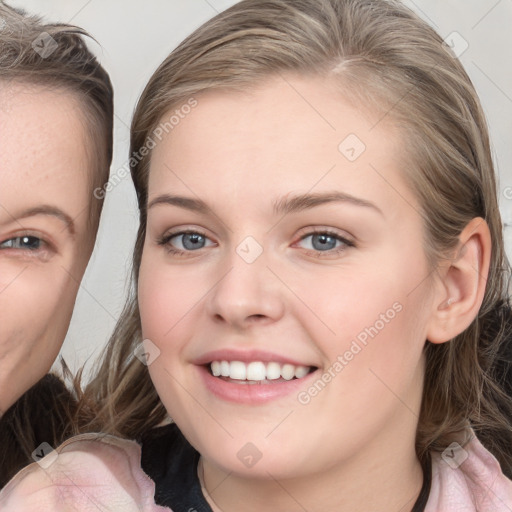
<point>385,58</point>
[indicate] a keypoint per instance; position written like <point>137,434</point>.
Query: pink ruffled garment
<point>87,473</point>
<point>468,480</point>
<point>94,472</point>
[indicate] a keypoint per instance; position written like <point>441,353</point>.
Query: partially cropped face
<point>45,239</point>
<point>283,284</point>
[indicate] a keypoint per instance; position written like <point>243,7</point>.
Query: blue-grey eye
<point>31,243</point>
<point>189,241</point>
<point>320,242</point>
<point>323,242</point>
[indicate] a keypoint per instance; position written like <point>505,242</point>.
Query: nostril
<point>256,318</point>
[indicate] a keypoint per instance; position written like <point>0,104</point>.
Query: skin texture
<point>43,164</point>
<point>241,154</point>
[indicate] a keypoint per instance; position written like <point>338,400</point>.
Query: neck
<point>386,484</point>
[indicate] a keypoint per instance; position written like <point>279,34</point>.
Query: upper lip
<point>246,356</point>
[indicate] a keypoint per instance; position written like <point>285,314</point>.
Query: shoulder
<point>87,471</point>
<point>468,478</point>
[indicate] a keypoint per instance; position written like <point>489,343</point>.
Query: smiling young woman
<point>265,246</point>
<point>322,224</point>
<point>341,169</point>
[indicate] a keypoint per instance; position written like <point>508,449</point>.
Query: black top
<point>171,462</point>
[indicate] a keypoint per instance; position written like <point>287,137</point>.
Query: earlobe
<point>462,283</point>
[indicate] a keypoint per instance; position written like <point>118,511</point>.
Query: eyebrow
<point>307,201</point>
<point>195,205</point>
<point>51,211</point>
<point>283,206</point>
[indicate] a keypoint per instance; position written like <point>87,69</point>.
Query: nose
<point>248,294</point>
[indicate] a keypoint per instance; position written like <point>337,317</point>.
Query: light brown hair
<point>387,58</point>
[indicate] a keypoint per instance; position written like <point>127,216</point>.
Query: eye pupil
<point>193,241</point>
<point>30,242</point>
<point>323,242</point>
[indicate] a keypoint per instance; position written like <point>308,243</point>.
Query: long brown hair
<point>387,58</point>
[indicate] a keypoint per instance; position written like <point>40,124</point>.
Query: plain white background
<point>135,36</point>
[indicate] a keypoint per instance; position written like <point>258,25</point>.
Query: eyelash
<point>165,241</point>
<point>345,243</point>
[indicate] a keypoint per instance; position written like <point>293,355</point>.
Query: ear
<point>460,290</point>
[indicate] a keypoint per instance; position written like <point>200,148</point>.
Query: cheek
<point>371,320</point>
<point>168,298</point>
<point>157,302</point>
<point>170,304</point>
<point>345,302</point>
<point>37,308</point>
<point>382,350</point>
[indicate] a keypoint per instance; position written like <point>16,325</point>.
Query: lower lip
<point>252,393</point>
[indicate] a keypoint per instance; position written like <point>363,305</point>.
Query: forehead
<point>288,134</point>
<point>39,118</point>
<point>43,148</point>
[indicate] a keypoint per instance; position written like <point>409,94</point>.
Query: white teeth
<point>273,371</point>
<point>301,371</point>
<point>288,371</point>
<point>216,368</point>
<point>224,368</point>
<point>237,370</point>
<point>256,371</point>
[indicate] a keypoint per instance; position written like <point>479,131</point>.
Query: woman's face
<point>45,241</point>
<point>285,252</point>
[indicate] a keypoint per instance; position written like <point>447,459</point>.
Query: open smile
<point>258,372</point>
<point>253,380</point>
